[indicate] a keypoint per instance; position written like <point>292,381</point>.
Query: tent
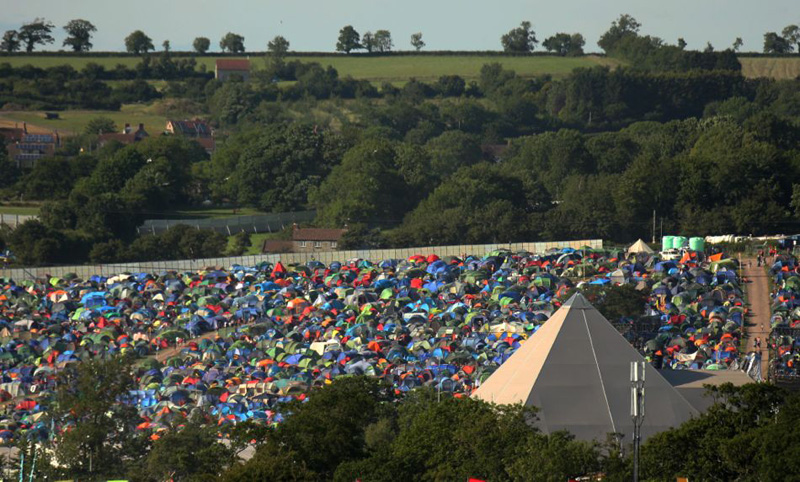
<point>617,276</point>
<point>576,370</point>
<point>639,247</point>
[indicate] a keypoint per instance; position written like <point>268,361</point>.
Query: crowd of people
<point>237,343</point>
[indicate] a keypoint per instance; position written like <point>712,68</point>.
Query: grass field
<point>158,84</point>
<point>776,68</point>
<point>401,68</point>
<point>207,213</point>
<point>21,210</point>
<point>397,68</point>
<point>257,240</point>
<point>74,121</point>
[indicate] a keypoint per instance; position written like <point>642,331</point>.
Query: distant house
<point>189,128</point>
<point>306,240</point>
<point>13,134</point>
<point>25,148</point>
<point>224,69</point>
<point>196,129</point>
<point>277,246</point>
<point>315,239</point>
<point>207,143</point>
<point>127,136</point>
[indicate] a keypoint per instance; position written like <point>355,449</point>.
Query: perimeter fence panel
<point>261,223</point>
<point>325,257</point>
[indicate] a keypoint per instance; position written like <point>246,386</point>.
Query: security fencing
<point>262,223</point>
<point>14,220</point>
<point>325,257</point>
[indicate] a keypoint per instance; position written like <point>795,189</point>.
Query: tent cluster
<point>700,312</point>
<point>785,273</point>
<point>238,343</point>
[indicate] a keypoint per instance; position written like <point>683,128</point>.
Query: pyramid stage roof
<point>576,370</point>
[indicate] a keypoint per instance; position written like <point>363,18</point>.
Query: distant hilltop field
<point>385,68</point>
<point>402,67</point>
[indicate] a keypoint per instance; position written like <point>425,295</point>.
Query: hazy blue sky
<point>445,24</point>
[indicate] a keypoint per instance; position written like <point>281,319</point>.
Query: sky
<point>313,25</point>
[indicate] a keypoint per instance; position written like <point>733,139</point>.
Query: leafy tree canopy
<point>37,32</point>
<point>231,42</point>
<point>521,39</point>
<point>349,40</point>
<point>79,35</point>
<point>138,43</point>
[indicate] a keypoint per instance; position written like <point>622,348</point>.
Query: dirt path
<point>757,323</point>
<point>32,128</point>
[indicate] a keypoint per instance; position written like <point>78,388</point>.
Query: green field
<point>74,121</point>
<point>158,84</point>
<point>390,68</point>
<point>208,213</point>
<point>21,210</point>
<point>257,240</point>
<point>426,67</point>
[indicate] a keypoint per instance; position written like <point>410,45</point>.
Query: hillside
<point>772,67</point>
<point>74,121</point>
<point>425,67</point>
<point>390,68</point>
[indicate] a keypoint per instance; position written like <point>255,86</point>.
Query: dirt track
<point>757,324</point>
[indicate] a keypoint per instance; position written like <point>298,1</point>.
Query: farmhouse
<point>315,239</point>
<point>196,129</point>
<point>189,128</point>
<point>224,69</point>
<point>305,240</point>
<point>127,136</point>
<point>25,148</point>
<point>277,246</point>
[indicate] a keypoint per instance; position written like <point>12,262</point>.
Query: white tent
<point>639,247</point>
<point>576,370</point>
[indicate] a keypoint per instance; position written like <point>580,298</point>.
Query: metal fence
<point>14,220</point>
<point>86,271</point>
<point>262,223</point>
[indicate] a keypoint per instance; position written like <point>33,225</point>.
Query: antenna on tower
<point>637,411</point>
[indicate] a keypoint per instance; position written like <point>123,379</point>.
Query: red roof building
<point>25,148</point>
<point>127,136</point>
<point>224,69</point>
<point>189,128</point>
<point>197,130</point>
<point>277,246</point>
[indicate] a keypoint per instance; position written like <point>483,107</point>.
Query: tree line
<point>39,33</point>
<point>709,153</point>
<point>521,39</point>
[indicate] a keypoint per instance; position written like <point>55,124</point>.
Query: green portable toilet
<point>697,244</point>
<point>678,242</point>
<point>666,243</point>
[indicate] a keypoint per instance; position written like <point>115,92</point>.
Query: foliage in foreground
<point>358,427</point>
